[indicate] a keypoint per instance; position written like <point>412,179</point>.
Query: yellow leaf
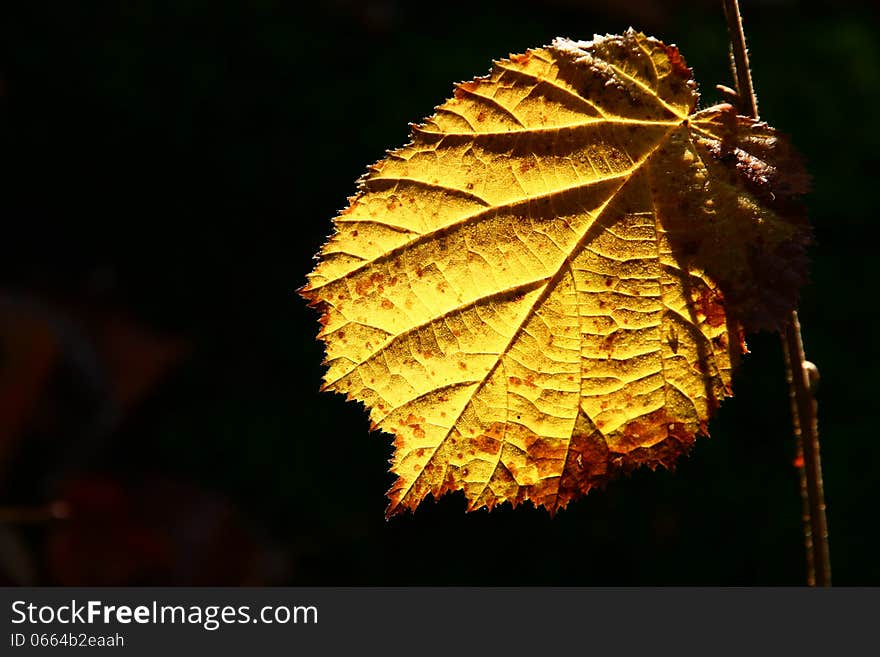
<point>548,286</point>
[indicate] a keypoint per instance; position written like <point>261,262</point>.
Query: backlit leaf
<point>550,284</point>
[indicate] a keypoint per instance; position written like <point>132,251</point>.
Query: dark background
<point>168,171</point>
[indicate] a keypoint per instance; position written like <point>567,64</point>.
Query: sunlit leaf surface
<point>550,284</point>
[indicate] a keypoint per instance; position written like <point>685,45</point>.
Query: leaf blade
<point>523,298</point>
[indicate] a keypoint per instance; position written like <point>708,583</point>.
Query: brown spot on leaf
<point>649,430</point>
<point>546,454</point>
<point>463,89</point>
<point>413,419</point>
<point>711,304</point>
<point>679,67</point>
<point>362,286</point>
<point>586,467</point>
<point>487,444</point>
<point>608,344</point>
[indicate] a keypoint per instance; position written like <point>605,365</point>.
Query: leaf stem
<point>798,370</point>
<point>742,72</point>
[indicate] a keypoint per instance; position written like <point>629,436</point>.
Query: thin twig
<point>807,434</point>
<point>803,402</point>
<point>799,463</point>
<point>742,72</point>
